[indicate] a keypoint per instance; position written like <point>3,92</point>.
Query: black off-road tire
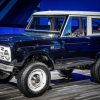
<point>95,71</point>
<point>23,76</point>
<point>5,77</point>
<point>66,73</point>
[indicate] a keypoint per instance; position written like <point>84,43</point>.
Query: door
<point>75,40</point>
<point>95,35</point>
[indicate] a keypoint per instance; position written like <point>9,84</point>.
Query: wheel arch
<point>42,57</point>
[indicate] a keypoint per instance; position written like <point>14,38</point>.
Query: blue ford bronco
<point>62,40</point>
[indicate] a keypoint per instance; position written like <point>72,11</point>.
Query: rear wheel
<point>5,77</point>
<point>95,71</point>
<point>34,80</point>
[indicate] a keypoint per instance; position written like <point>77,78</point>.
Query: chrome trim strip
<point>5,67</point>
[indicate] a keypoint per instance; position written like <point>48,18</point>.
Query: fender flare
<point>42,53</point>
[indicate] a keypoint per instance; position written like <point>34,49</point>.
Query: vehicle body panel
<point>62,51</point>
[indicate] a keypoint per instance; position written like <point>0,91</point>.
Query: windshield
<point>46,23</point>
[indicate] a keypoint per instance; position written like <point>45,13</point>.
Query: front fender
<point>26,53</point>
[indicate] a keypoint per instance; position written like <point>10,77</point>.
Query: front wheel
<point>34,80</point>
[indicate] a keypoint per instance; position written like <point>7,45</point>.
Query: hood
<point>22,37</point>
<point>26,36</point>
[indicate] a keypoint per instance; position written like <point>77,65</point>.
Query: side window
<point>76,26</point>
<point>95,25</point>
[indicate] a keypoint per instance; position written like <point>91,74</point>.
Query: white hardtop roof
<point>48,13</point>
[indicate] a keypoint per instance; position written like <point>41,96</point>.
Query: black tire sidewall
<point>95,71</point>
<point>23,79</point>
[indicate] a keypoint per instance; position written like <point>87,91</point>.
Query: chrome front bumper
<point>5,67</point>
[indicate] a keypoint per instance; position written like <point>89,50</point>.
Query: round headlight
<point>6,54</point>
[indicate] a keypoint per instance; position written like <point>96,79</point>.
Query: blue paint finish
<point>63,48</point>
<point>55,45</point>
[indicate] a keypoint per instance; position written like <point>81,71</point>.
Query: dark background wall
<point>15,14</point>
<point>84,5</point>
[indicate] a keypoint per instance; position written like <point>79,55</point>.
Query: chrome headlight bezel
<point>5,53</point>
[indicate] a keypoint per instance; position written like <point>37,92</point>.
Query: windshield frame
<point>49,31</point>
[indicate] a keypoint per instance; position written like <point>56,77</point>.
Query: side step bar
<point>71,64</point>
